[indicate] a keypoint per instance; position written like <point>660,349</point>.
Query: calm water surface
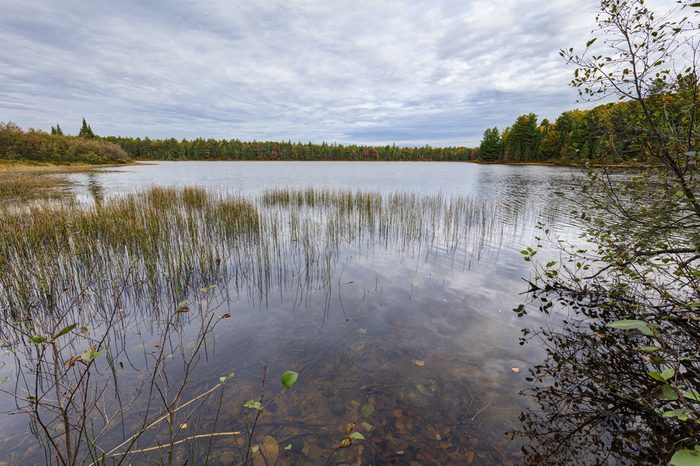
<point>424,333</point>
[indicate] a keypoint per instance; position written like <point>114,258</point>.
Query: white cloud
<point>347,71</point>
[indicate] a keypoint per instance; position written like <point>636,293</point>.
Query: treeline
<point>234,149</point>
<point>608,133</point>
<point>40,146</point>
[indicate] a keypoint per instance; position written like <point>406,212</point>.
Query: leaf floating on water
<point>183,425</point>
<point>357,436</point>
<point>226,378</point>
<point>225,316</point>
<point>515,369</point>
<point>183,307</point>
<point>362,330</point>
<point>419,362</point>
<point>255,448</point>
<point>289,378</point>
<point>288,447</point>
<point>346,442</point>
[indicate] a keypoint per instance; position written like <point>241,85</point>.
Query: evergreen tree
<point>86,131</point>
<point>59,131</point>
<point>490,148</point>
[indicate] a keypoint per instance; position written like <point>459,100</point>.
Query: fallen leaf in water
<point>226,316</point>
<point>419,362</point>
<point>470,457</point>
<point>399,452</point>
<point>346,442</point>
<point>423,389</point>
<point>349,428</point>
<point>367,427</point>
<point>288,447</point>
<point>362,330</point>
<point>270,449</point>
<point>367,410</point>
<point>515,369</point>
<point>183,425</point>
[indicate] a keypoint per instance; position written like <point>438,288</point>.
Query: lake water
<point>414,341</point>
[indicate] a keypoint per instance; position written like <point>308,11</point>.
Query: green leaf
<point>632,324</point>
<point>289,378</point>
<point>649,349</point>
<point>357,436</point>
<point>90,354</point>
<point>692,395</point>
<point>668,393</point>
<point>226,378</point>
<point>686,458</point>
<point>255,448</point>
<point>367,409</point>
<point>64,331</point>
<point>681,414</point>
<point>590,42</point>
<point>667,373</point>
<point>288,447</point>
<point>252,404</point>
<point>656,376</point>
<point>38,339</point>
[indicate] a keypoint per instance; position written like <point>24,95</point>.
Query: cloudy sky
<point>409,72</point>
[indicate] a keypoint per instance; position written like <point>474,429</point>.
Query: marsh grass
<point>16,186</point>
<point>148,263</point>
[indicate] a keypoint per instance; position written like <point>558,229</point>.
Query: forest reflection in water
<point>387,305</point>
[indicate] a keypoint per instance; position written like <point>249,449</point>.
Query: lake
<point>394,306</point>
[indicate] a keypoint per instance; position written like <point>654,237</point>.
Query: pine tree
<point>490,148</point>
<point>59,131</point>
<point>86,131</point>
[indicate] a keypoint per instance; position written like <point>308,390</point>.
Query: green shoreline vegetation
<point>576,137</point>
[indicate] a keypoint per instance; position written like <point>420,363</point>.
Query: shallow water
<point>423,333</point>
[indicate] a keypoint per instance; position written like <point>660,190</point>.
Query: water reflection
<point>595,401</point>
<point>392,301</point>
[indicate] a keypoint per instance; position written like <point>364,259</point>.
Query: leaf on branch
<point>686,458</point>
<point>63,332</point>
<point>252,404</point>
<point>631,324</point>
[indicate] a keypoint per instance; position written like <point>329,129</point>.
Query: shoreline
<point>30,166</point>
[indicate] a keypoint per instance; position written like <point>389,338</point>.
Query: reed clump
<point>18,186</point>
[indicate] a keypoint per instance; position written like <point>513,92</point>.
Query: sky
<point>366,72</point>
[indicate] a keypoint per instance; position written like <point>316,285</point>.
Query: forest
<point>607,133</point>
<point>36,146</point>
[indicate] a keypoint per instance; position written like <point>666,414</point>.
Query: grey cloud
<point>344,71</point>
